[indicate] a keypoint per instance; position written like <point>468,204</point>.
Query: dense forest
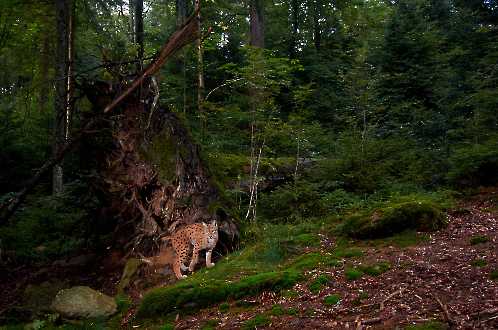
<point>345,151</point>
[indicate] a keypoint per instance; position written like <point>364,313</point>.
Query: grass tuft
<point>478,239</point>
<point>479,263</point>
<point>332,300</point>
<point>260,320</point>
<point>353,274</point>
<point>318,283</point>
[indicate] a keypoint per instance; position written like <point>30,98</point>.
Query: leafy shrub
<point>475,165</point>
<point>431,325</point>
<point>292,202</point>
<point>384,222</point>
<point>494,275</point>
<point>277,310</point>
<point>49,226</point>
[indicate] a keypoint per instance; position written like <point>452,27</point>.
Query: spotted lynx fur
<point>201,236</point>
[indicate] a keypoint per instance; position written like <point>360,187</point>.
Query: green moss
<point>291,311</point>
<point>277,310</point>
<point>353,274</point>
<point>494,275</point>
<point>123,302</point>
<point>257,321</point>
<point>195,294</point>
<point>318,283</point>
<point>167,326</point>
<point>393,219</point>
<point>404,239</point>
<point>224,307</point>
<point>479,263</point>
<point>375,269</point>
<point>129,271</point>
<point>313,260</point>
<point>431,325</point>
<point>290,294</point>
<point>348,252</point>
<point>478,239</point>
<point>332,300</point>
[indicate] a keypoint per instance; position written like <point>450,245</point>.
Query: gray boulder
<point>83,302</point>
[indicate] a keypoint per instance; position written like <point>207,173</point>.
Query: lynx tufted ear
<point>214,223</point>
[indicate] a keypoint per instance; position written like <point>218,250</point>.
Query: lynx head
<point>212,232</point>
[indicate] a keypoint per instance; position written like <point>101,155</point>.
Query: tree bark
<point>63,85</point>
<point>256,22</point>
<point>317,12</point>
<point>200,65</point>
<point>139,31</point>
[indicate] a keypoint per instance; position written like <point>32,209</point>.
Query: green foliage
<point>478,239</point>
<point>50,226</point>
<point>479,263</point>
<point>292,203</point>
<point>259,320</point>
<point>394,219</point>
<point>474,165</point>
<point>167,326</point>
<point>431,325</point>
<point>332,300</point>
<point>210,325</point>
<point>375,269</point>
<point>318,283</point>
<point>277,310</point>
<point>353,274</point>
<point>224,307</point>
<point>493,275</point>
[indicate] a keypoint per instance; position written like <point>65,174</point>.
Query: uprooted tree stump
<point>152,174</point>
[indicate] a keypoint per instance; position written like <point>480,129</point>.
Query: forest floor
<point>452,277</point>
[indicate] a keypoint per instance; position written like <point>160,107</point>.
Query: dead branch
<point>186,34</point>
<point>446,313</point>
<point>383,302</point>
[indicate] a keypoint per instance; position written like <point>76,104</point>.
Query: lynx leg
<point>177,266</point>
<point>209,264</point>
<point>195,258</point>
<point>183,267</point>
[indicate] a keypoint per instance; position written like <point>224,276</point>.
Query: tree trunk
<point>181,17</point>
<point>63,85</point>
<point>317,12</point>
<point>200,66</point>
<point>131,12</point>
<point>257,38</point>
<point>139,32</point>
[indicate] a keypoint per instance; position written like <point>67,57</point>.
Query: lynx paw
<point>183,267</point>
<point>210,265</point>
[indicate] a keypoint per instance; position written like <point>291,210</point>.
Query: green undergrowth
<point>374,269</point>
<point>478,239</point>
<point>431,325</point>
<point>331,300</point>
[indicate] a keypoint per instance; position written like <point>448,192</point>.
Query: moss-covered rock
<point>195,295</point>
<point>384,222</point>
<point>83,302</point>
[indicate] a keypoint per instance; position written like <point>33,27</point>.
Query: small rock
<point>83,302</point>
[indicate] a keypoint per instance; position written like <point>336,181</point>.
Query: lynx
<point>201,236</point>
